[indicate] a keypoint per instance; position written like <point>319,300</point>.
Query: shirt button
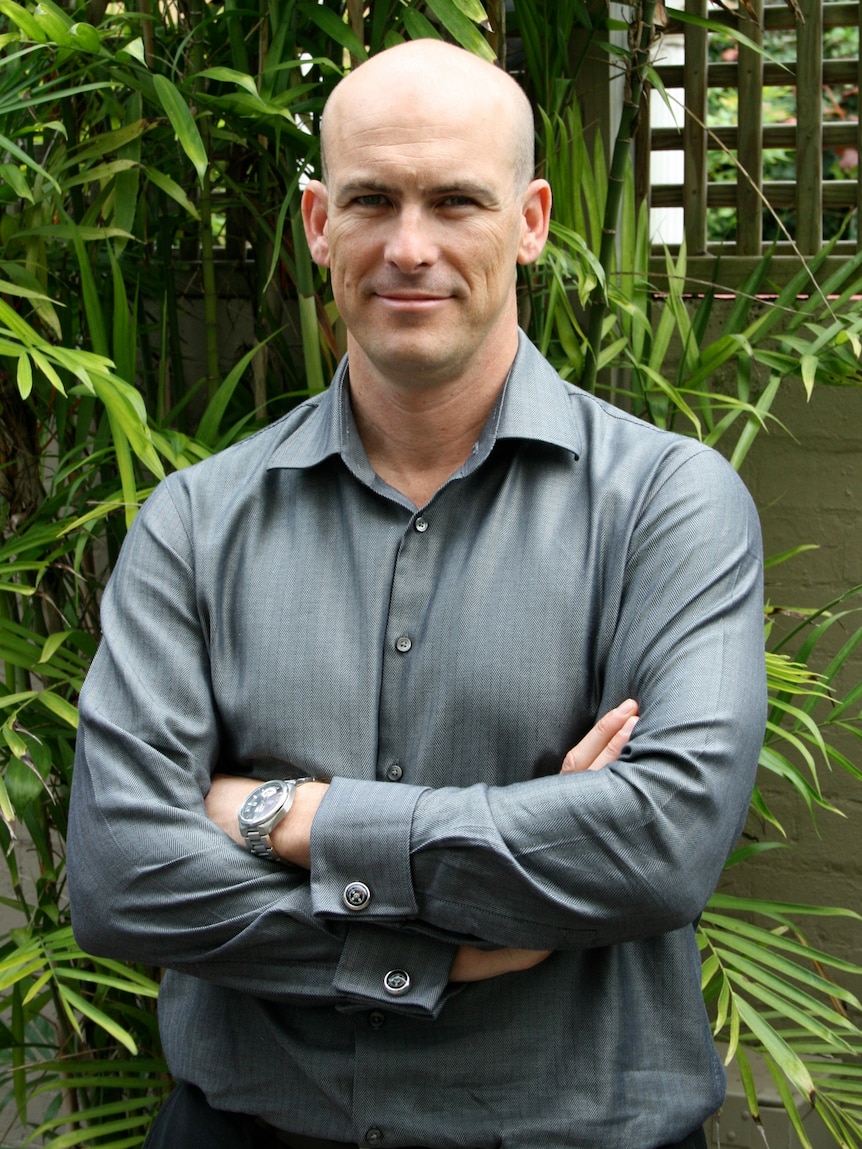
<point>403,643</point>
<point>374,1136</point>
<point>421,525</point>
<point>396,982</point>
<point>356,896</point>
<point>394,773</point>
<point>377,1019</point>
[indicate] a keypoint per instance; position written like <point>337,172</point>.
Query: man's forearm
<point>291,838</point>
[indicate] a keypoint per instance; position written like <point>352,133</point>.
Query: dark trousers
<point>186,1121</point>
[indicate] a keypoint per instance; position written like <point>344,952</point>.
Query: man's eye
<point>369,200</point>
<point>458,201</point>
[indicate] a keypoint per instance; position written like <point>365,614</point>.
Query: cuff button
<point>396,982</point>
<point>356,896</point>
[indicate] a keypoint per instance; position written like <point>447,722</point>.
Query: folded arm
<point>151,877</point>
<point>291,838</point>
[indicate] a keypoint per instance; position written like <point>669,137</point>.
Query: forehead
<point>417,144</point>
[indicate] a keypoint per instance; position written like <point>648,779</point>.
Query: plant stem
<point>496,10</point>
<point>356,19</point>
<point>307,306</point>
<point>211,339</point>
<point>641,38</point>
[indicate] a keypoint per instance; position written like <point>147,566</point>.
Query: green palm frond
<point>104,1010</point>
<point>772,993</point>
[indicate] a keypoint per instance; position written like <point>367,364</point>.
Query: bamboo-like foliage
<point>150,166</point>
<point>146,158</point>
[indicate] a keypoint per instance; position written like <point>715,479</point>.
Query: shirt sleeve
<point>633,850</point>
<point>151,879</point>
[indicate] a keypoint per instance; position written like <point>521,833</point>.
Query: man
<point>419,590</point>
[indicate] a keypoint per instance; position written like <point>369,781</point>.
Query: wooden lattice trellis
<point>752,74</point>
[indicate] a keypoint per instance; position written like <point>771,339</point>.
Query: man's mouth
<point>411,300</point>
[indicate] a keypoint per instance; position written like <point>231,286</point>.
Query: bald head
<point>422,81</point>
<point>429,206</point>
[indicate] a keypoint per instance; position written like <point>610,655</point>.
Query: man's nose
<point>410,244</point>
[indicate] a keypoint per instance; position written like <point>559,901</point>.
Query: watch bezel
<point>249,819</point>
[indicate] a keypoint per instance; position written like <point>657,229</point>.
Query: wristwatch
<point>261,812</point>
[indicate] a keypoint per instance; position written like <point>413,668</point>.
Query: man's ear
<point>315,212</point>
<point>536,219</point>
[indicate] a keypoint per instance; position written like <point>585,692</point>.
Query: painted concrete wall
<point>807,481</point>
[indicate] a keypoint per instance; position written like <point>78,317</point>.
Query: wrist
<point>291,838</point>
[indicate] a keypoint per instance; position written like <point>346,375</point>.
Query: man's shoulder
<point>234,486</point>
<point>595,425</point>
<point>247,460</point>
<point>604,421</point>
<point>622,460</point>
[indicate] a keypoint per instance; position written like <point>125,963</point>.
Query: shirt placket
<point>377,1067</point>
<point>404,660</point>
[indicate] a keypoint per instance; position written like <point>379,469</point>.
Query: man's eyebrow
<point>471,188</point>
<point>466,188</point>
<point>362,187</point>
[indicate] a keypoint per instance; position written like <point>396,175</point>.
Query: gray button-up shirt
<point>278,610</point>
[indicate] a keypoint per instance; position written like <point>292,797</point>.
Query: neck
<point>417,435</point>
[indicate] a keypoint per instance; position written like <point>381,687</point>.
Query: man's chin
<point>417,360</point>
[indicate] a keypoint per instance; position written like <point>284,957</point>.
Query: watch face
<point>262,802</point>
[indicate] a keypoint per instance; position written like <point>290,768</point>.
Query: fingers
<point>473,964</point>
<point>604,743</point>
<point>614,748</point>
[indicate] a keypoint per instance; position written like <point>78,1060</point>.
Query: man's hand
<point>604,743</point>
<point>472,964</point>
<point>596,749</point>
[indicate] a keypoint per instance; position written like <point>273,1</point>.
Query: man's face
<point>424,225</point>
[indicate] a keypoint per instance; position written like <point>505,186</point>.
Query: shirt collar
<point>535,404</point>
<point>321,430</point>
